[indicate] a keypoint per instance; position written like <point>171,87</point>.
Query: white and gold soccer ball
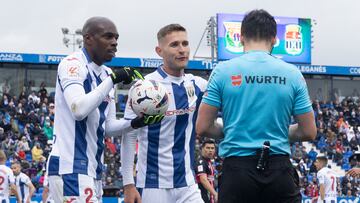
<point>148,97</point>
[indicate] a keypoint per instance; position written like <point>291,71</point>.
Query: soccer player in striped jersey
<point>24,186</point>
<point>166,150</point>
<point>85,112</point>
<point>7,181</point>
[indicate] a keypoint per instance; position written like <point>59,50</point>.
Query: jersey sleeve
<point>302,100</point>
<point>11,177</point>
<point>201,83</point>
<point>200,167</point>
<point>25,179</point>
<point>212,95</point>
<point>71,71</point>
<point>321,178</point>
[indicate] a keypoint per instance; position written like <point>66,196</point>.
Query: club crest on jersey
<point>236,80</point>
<point>190,91</point>
<point>73,71</point>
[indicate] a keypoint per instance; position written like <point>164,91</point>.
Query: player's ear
<point>273,41</point>
<point>87,39</point>
<point>242,39</point>
<point>158,51</point>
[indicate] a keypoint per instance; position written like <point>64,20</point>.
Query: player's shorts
<point>189,194</point>
<point>73,188</point>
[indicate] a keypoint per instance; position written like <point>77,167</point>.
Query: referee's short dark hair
<point>207,141</point>
<point>258,25</point>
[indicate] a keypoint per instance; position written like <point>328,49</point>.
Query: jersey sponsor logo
<point>236,80</point>
<point>265,79</point>
<point>178,112</point>
<point>73,71</point>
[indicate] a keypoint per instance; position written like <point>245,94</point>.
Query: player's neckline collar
<point>256,51</point>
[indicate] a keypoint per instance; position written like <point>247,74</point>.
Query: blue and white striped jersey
<point>166,150</point>
<point>22,182</point>
<point>79,144</point>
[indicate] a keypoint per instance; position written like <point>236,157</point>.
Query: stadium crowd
<point>26,135</point>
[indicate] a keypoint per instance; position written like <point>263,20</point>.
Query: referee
<point>258,94</point>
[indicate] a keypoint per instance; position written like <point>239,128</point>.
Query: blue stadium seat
<point>346,166</point>
<point>309,177</point>
<point>29,157</point>
<point>8,163</point>
<point>40,190</point>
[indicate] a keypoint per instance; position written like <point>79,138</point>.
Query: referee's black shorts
<point>243,183</point>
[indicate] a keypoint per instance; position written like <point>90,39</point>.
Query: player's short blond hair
<point>168,29</point>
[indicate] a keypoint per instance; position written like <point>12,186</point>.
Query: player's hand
<point>125,75</point>
<point>354,172</point>
<point>131,195</point>
<point>145,120</point>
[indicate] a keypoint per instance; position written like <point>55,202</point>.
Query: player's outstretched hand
<point>131,195</point>
<point>125,75</point>
<point>145,120</point>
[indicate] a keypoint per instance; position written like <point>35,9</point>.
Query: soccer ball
<point>148,97</point>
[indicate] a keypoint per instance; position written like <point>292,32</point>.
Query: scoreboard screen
<point>293,39</point>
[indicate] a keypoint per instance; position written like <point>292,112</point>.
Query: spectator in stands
<point>4,102</point>
<point>339,149</point>
<point>33,96</point>
<point>37,153</point>
<point>43,91</point>
<point>48,128</point>
<point>298,155</point>
<point>23,145</point>
<point>302,168</point>
<point>110,145</point>
<point>109,181</point>
<point>21,157</point>
<point>312,154</point>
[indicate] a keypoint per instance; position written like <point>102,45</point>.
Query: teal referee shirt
<point>257,94</point>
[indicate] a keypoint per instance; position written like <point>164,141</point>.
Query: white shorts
<point>73,188</point>
<point>189,194</point>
